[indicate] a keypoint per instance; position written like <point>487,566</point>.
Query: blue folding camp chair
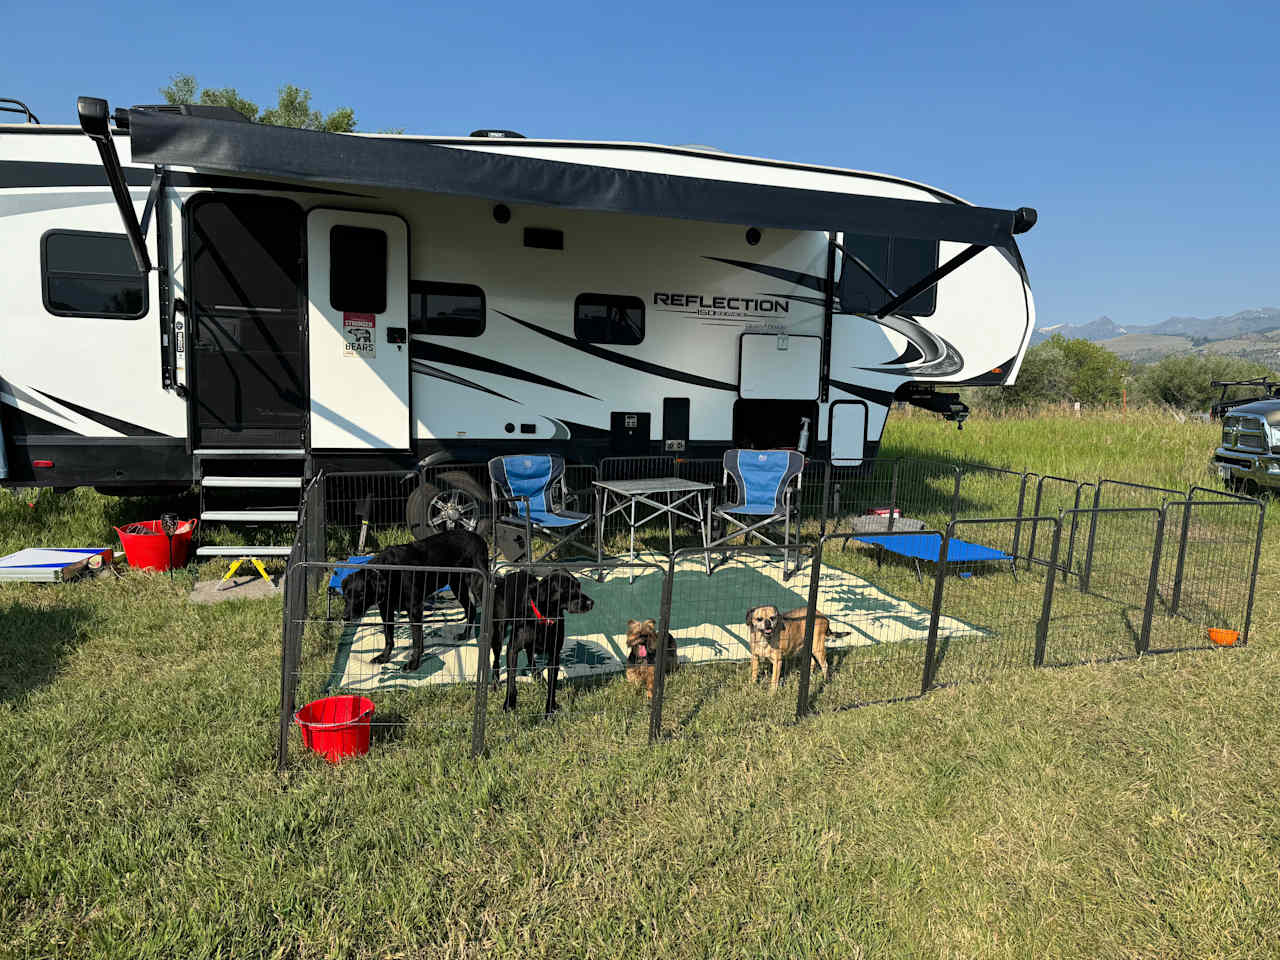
<point>763,480</point>
<point>522,497</point>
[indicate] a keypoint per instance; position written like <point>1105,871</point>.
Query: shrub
<point>1065,370</point>
<point>1184,380</point>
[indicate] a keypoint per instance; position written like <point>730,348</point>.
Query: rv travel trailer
<point>183,286</point>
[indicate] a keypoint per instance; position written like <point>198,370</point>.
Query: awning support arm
<point>153,194</point>
<point>925,282</point>
<point>828,309</point>
<point>857,261</point>
<point>93,121</point>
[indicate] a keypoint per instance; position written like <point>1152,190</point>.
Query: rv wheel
<point>459,503</point>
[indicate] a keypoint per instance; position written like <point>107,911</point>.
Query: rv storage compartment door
<point>358,288</point>
<point>848,432</point>
<point>776,366</point>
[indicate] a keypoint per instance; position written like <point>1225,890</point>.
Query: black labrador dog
<point>390,591</point>
<point>533,610</point>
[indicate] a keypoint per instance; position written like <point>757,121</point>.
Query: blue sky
<point>1147,136</point>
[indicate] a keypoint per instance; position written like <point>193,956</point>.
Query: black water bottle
<point>169,524</point>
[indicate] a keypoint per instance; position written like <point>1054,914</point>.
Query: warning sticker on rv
<point>357,335</point>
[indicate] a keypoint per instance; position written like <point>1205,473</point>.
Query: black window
<point>246,254</point>
<point>91,275</point>
<point>446,309</point>
<point>897,261</point>
<point>607,318</point>
<point>358,269</point>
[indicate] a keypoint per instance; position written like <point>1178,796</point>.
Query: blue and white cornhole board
<point>45,565</point>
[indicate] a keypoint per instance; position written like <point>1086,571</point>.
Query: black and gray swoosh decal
<point>882,397</point>
<point>110,422</point>
<point>938,357</point>
<point>909,355</point>
<point>585,431</point>
<point>429,371</point>
<point>778,273</point>
<point>421,350</point>
<point>20,394</point>
<point>644,366</point>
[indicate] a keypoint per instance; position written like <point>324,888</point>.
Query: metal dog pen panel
<point>1106,614</point>
<point>593,662</point>
<point>988,616</point>
<point>994,492</point>
<point>873,596</point>
<point>1207,568</point>
<point>1051,496</point>
<point>332,651</point>
<point>707,617</point>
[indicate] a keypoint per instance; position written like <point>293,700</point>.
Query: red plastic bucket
<point>336,727</point>
<point>150,551</point>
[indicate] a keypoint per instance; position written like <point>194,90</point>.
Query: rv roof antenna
<point>18,107</point>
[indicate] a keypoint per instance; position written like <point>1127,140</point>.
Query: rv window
<point>91,275</point>
<point>446,309</point>
<point>606,318</point>
<point>358,269</point>
<point>899,262</point>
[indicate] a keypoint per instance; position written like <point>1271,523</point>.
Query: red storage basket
<point>150,551</point>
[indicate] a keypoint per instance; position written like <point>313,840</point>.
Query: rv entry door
<point>358,288</point>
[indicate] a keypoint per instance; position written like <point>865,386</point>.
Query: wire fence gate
<point>911,575</point>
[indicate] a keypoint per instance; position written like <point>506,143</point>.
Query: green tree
<point>292,109</point>
<point>1185,380</point>
<point>1060,369</point>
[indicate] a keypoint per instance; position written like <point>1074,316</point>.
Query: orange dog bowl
<point>1223,637</point>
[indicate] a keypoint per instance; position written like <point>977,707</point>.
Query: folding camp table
<point>928,546</point>
<point>664,495</point>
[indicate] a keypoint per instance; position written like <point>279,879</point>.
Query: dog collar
<point>536,612</point>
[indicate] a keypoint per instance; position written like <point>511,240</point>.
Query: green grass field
<point>1124,809</point>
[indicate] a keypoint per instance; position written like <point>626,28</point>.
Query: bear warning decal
<point>358,335</point>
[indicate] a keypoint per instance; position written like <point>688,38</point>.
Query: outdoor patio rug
<point>707,619</point>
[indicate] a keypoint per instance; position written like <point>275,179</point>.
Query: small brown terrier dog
<point>642,638</point>
<point>776,636</point>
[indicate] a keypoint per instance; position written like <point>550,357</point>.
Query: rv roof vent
<point>498,134</point>
<point>207,111</point>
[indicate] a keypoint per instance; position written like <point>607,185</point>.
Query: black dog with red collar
<point>532,610</point>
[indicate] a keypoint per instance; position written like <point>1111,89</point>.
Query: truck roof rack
<point>18,107</point>
<point>1269,386</point>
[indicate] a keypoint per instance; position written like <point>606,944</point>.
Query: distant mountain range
<point>1104,328</point>
<point>1254,334</point>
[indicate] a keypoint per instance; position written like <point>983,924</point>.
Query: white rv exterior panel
<point>848,433</point>
<point>777,366</point>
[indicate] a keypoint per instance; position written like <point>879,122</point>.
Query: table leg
<point>631,573</point>
<point>671,528</point>
<point>704,506</point>
<point>599,508</point>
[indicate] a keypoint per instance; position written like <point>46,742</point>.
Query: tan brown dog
<point>642,638</point>
<point>776,636</point>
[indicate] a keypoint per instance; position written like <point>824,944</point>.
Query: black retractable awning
<point>331,158</point>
